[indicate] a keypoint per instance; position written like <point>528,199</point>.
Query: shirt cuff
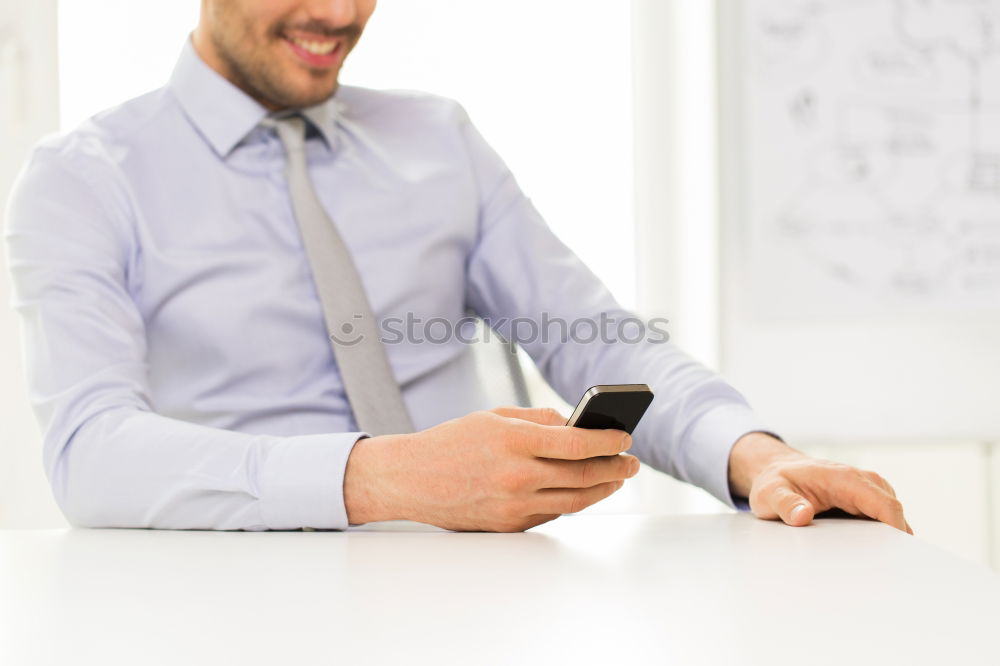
<point>302,481</point>
<point>710,442</point>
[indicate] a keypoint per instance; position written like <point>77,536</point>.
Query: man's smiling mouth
<point>316,50</point>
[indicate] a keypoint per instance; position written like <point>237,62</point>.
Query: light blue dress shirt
<point>176,353</point>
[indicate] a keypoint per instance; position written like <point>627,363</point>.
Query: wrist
<point>751,455</point>
<point>369,493</point>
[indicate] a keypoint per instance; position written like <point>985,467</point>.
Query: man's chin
<point>301,99</point>
<point>310,95</point>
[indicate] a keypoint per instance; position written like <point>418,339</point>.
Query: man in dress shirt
<point>177,354</point>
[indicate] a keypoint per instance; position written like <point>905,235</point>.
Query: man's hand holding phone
<point>503,470</point>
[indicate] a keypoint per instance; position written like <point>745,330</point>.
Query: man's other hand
<point>787,484</point>
<point>503,470</point>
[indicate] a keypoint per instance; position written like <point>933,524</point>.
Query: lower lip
<point>314,59</point>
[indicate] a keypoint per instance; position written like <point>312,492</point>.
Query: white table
<point>726,589</point>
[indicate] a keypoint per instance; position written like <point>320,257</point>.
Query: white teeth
<point>317,48</point>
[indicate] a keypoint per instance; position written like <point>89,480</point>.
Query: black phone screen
<point>619,407</point>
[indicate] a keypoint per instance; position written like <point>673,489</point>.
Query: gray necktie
<point>364,368</point>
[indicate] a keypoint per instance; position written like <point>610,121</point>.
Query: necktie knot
<point>291,130</point>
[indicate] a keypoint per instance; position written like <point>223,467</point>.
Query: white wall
<point>28,109</point>
<point>113,50</point>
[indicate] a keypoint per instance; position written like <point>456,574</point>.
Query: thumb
<point>792,508</point>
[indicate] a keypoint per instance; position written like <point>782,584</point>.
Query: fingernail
<point>626,442</point>
<point>797,511</point>
<point>619,485</point>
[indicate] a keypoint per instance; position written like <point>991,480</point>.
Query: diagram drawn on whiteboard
<point>872,144</point>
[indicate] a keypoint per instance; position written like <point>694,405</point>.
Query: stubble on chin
<point>256,71</point>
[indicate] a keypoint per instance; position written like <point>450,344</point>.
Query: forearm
<point>134,468</point>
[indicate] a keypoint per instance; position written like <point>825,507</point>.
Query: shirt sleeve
<point>520,272</point>
<point>110,459</point>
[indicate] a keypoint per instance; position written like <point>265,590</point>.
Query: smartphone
<point>615,406</point>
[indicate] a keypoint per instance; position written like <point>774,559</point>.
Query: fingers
<point>880,482</point>
<point>564,443</point>
<point>782,502</point>
<point>822,485</point>
<point>871,500</point>
<point>540,415</point>
<point>556,440</point>
<point>887,487</point>
<point>559,500</point>
<point>586,473</point>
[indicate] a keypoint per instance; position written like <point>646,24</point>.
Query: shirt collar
<point>223,113</point>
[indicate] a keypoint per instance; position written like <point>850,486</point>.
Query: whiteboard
<point>860,149</point>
